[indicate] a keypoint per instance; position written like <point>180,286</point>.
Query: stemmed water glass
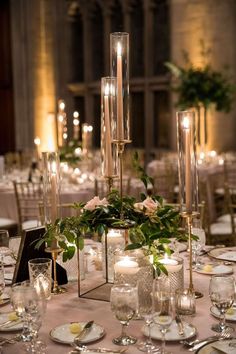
<point>146,312</point>
<point>30,308</point>
<point>221,291</point>
<point>197,245</point>
<point>163,311</point>
<point>124,304</point>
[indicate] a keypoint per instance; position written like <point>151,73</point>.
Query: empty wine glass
<point>146,312</point>
<point>221,291</point>
<point>124,304</point>
<point>163,312</point>
<point>197,245</point>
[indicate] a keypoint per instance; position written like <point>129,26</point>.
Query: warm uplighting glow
<point>37,141</point>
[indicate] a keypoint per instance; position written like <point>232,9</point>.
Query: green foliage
<point>204,86</point>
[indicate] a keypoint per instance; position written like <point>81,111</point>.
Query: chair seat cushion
<point>30,224</point>
<point>5,222</point>
<point>221,228</point>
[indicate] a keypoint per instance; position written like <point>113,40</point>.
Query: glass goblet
<point>146,312</point>
<point>124,304</point>
<point>221,291</point>
<point>163,312</point>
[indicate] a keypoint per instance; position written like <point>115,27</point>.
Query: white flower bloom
<point>96,201</point>
<point>148,205</point>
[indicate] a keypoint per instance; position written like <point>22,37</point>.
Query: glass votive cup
<point>40,274</point>
<point>185,302</point>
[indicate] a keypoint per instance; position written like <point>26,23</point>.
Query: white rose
<point>93,203</point>
<point>149,205</point>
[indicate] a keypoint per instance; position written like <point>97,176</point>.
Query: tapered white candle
<point>188,191</point>
<point>120,125</point>
<point>108,163</point>
<point>53,192</point>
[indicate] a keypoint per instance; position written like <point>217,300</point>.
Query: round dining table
<point>69,307</point>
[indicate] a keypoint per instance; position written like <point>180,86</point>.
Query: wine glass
<point>197,245</point>
<point>30,308</point>
<point>221,291</point>
<point>124,304</point>
<point>146,312</point>
<point>163,311</point>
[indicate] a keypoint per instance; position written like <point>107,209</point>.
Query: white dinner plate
<point>12,327</point>
<point>172,333</point>
<point>228,316</point>
<point>216,269</point>
<point>62,333</point>
<point>224,254</point>
<point>227,345</point>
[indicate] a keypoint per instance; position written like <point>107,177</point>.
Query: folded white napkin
<point>226,347</point>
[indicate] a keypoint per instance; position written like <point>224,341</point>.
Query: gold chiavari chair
<point>28,195</point>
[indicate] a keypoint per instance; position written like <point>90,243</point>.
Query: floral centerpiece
<point>71,153</point>
<point>151,223</point>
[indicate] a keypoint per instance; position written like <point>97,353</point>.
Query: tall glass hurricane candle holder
<point>108,112</point>
<point>188,183</point>
<point>119,60</point>
<point>51,185</point>
<point>187,160</point>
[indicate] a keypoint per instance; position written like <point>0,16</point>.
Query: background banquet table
<point>69,307</point>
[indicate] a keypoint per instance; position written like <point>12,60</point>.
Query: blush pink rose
<point>96,201</point>
<point>148,205</point>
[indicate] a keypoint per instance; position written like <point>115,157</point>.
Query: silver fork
<point>224,335</point>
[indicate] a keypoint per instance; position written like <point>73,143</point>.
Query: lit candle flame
<point>107,90</point>
<point>37,141</point>
<point>119,49</point>
<point>76,114</point>
<point>186,123</point>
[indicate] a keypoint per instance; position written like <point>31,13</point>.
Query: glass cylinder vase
<point>51,186</point>
<point>133,267</point>
<point>119,61</point>
<point>108,113</point>
<point>187,162</point>
<point>174,267</point>
<point>112,242</point>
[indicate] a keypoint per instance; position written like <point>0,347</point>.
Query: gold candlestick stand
<point>189,218</point>
<point>56,290</point>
